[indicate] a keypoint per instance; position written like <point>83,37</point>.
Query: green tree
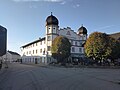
<point>60,48</point>
<point>97,46</point>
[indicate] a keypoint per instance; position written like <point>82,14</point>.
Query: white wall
<point>10,57</point>
<point>36,48</point>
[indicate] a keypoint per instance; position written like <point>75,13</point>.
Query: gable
<point>70,34</point>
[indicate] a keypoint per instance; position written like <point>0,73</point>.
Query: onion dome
<point>82,30</point>
<point>51,20</point>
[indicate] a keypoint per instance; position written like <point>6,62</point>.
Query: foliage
<point>115,46</point>
<point>100,46</point>
<point>60,48</point>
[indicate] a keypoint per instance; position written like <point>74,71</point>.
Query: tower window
<point>49,48</point>
<point>49,38</point>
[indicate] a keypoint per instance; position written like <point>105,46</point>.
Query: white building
<point>38,51</point>
<point>11,56</point>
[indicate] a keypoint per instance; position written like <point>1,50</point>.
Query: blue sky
<point>25,19</point>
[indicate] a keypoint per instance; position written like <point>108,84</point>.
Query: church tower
<point>82,31</point>
<point>51,31</point>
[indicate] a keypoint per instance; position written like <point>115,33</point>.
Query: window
<point>40,59</point>
<point>54,30</point>
<point>29,52</point>
<point>76,43</point>
<point>80,43</point>
<point>73,49</point>
<point>44,52</point>
<point>33,51</point>
<point>36,51</point>
<point>80,50</point>
<point>36,44</point>
<point>71,42</point>
<point>49,48</point>
<point>41,43</point>
<point>49,38</point>
<point>40,50</point>
<point>68,33</point>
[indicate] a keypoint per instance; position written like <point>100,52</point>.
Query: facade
<point>11,56</point>
<point>3,40</point>
<point>39,51</point>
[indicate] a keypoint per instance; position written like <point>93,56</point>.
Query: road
<point>29,77</point>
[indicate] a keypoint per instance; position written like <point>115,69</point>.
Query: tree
<point>115,46</point>
<point>98,47</point>
<point>60,48</point>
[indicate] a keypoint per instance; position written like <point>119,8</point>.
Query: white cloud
<point>52,0</point>
<point>38,0</point>
<point>76,6</point>
<point>63,2</point>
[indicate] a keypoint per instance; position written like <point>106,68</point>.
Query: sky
<point>25,19</point>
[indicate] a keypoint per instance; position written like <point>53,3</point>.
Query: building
<point>11,56</point>
<point>39,51</point>
<point>3,40</point>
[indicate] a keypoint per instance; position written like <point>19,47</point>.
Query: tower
<point>82,32</point>
<point>51,31</point>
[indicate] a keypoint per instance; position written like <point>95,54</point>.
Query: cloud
<point>76,6</point>
<point>38,0</point>
<point>32,6</point>
<point>53,0</point>
<point>63,2</point>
